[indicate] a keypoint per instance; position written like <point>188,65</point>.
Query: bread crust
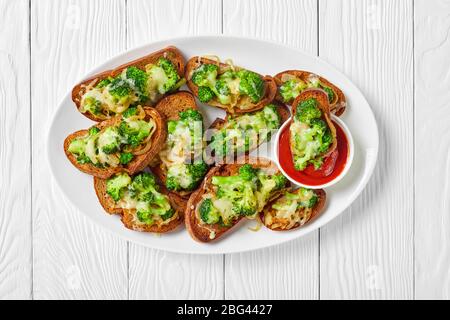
<point>196,229</point>
<point>270,86</point>
<point>318,208</point>
<point>171,53</point>
<point>337,106</point>
<point>138,163</point>
<point>170,107</point>
<point>322,99</point>
<point>127,216</point>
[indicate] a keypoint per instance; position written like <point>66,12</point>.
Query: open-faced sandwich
<point>126,142</point>
<point>293,209</point>
<point>230,193</point>
<point>143,203</point>
<point>242,133</point>
<point>229,87</point>
<point>143,81</point>
<point>182,167</point>
<point>312,134</point>
<point>292,82</point>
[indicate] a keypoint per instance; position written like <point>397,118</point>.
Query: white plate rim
<point>163,42</point>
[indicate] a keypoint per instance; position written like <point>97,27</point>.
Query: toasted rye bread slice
<point>337,106</point>
<point>322,99</point>
<point>128,216</point>
<point>219,123</point>
<point>316,210</point>
<point>200,231</point>
<point>171,53</point>
<point>138,163</point>
<point>170,107</point>
<point>270,87</point>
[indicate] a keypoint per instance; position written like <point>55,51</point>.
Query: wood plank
<point>15,171</point>
<point>156,274</point>
<point>432,165</point>
<point>73,259</point>
<point>291,270</point>
<point>367,253</point>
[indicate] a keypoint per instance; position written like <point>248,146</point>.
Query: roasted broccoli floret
<point>109,140</point>
<point>116,185</point>
<point>222,91</point>
<point>131,111</point>
<point>134,132</point>
<point>103,83</point>
<point>93,131</point>
<point>208,213</point>
<point>125,157</point>
<point>239,189</point>
<point>330,93</point>
<point>308,198</point>
<point>308,110</point>
<point>280,181</point>
<point>120,90</point>
<point>171,73</point>
<point>191,115</point>
<point>139,80</point>
<point>205,75</point>
<point>205,94</point>
<point>290,89</point>
<point>185,176</point>
<point>251,84</point>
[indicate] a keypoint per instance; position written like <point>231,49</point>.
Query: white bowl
<point>351,151</point>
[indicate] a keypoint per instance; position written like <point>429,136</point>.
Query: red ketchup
<point>332,165</point>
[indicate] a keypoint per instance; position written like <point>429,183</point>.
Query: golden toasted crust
<point>138,163</point>
<point>318,208</point>
<point>171,53</point>
<point>170,107</point>
<point>218,124</point>
<point>322,99</point>
<point>201,232</point>
<point>337,106</point>
<point>128,215</point>
<point>270,86</point>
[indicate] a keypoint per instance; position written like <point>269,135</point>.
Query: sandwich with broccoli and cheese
<point>223,85</point>
<point>140,82</point>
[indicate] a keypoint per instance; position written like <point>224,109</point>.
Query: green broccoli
<point>239,189</point>
<point>308,198</point>
<point>125,158</point>
<point>93,131</point>
<point>208,213</point>
<point>120,90</point>
<point>92,105</point>
<point>134,132</point>
<point>205,75</point>
<point>103,83</point>
<point>290,89</point>
<point>185,176</point>
<point>251,84</point>
<point>138,80</point>
<point>171,73</point>
<point>330,94</point>
<point>308,110</point>
<point>116,185</point>
<point>109,140</point>
<point>205,94</point>
<point>145,217</point>
<point>190,115</point>
<point>222,91</point>
<point>131,111</point>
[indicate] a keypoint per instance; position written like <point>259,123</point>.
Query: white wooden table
<point>393,242</point>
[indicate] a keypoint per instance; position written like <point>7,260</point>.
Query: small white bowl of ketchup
<point>334,167</point>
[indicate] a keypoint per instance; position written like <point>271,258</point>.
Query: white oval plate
<point>265,58</point>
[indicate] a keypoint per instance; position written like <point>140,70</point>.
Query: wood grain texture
<point>290,270</point>
<point>432,151</point>
<point>15,171</point>
<point>73,259</point>
<point>156,274</point>
<point>367,253</point>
